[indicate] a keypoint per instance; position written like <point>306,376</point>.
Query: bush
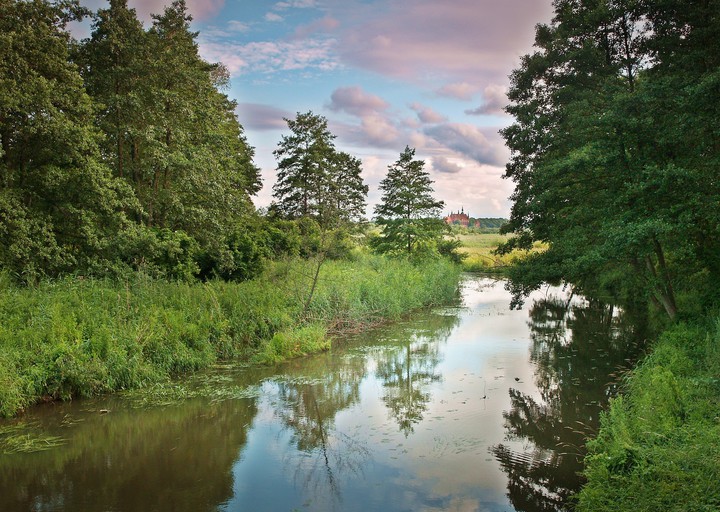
<point>80,337</point>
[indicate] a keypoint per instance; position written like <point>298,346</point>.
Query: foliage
<point>81,337</point>
<point>407,212</point>
<point>170,133</point>
<point>658,448</point>
<point>314,179</point>
<point>58,202</point>
<point>614,152</point>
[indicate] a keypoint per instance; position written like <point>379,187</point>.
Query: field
<point>479,248</point>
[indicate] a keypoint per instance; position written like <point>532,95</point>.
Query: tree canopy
<point>614,150</point>
<point>121,151</point>
<point>314,179</point>
<point>407,212</point>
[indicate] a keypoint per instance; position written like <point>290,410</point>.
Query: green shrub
<point>80,337</point>
<point>659,445</point>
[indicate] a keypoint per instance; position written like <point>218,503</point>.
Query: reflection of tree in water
<point>165,458</point>
<point>407,369</point>
<point>308,406</point>
<point>578,349</point>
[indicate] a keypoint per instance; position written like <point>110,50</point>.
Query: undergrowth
<point>82,337</point>
<point>659,445</point>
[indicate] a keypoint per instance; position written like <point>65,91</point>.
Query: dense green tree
<point>407,213</point>
<point>171,133</point>
<point>201,170</point>
<point>347,188</point>
<point>58,202</point>
<point>613,154</point>
<point>314,179</point>
<point>114,64</point>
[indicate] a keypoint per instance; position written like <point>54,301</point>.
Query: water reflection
<point>172,458</point>
<point>577,347</point>
<point>307,405</point>
<point>408,369</point>
<point>400,418</point>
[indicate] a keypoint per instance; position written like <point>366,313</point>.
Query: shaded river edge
<point>470,407</point>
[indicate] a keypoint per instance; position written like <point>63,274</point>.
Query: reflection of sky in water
<point>403,418</point>
<point>444,463</point>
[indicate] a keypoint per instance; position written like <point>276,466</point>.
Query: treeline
<point>616,152</point>
<point>122,152</point>
<point>118,152</point>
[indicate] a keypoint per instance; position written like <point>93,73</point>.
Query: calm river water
<point>467,408</point>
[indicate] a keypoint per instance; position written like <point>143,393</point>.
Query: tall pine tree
<point>407,212</point>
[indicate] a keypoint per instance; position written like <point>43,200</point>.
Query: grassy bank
<point>85,337</point>
<point>659,445</point>
<point>480,247</point>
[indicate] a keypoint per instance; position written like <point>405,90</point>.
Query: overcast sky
<point>428,74</point>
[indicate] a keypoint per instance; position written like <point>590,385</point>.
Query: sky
<point>428,74</point>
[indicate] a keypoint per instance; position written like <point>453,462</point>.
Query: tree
<point>347,188</point>
<point>170,131</point>
<point>317,184</point>
<point>407,212</point>
<point>614,156</point>
<point>306,161</point>
<point>58,203</point>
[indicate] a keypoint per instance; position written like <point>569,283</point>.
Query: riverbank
<point>479,250</point>
<point>659,445</point>
<point>83,337</point>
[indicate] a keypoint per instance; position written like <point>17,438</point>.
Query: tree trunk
<point>660,293</point>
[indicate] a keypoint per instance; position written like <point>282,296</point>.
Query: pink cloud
<point>326,24</point>
<point>442,164</point>
<point>459,90</point>
<point>255,116</point>
<point>494,101</point>
<point>469,40</point>
<point>199,9</point>
<point>379,131</point>
<point>469,140</point>
<point>355,101</point>
<point>427,115</point>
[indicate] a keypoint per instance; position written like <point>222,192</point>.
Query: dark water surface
<point>467,408</point>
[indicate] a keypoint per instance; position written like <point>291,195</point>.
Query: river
<point>471,407</point>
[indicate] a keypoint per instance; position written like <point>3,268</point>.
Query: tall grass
<point>84,337</point>
<point>659,445</point>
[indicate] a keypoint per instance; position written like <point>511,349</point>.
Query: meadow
<point>480,247</point>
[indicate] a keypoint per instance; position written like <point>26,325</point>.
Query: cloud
<point>459,90</point>
<point>470,141</point>
<point>494,101</point>
<point>471,41</point>
<point>442,164</point>
<point>356,102</point>
<point>269,57</point>
<point>273,17</point>
<point>297,4</point>
<point>379,131</point>
<point>199,9</point>
<point>427,115</point>
<point>256,116</point>
<point>237,26</point>
<point>325,24</point>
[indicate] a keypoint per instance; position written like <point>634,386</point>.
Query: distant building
<point>460,218</point>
